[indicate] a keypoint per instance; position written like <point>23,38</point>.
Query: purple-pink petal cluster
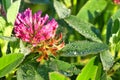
<point>34,28</point>
<point>116,1</point>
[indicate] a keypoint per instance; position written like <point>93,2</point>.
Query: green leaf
<point>37,1</point>
<point>4,44</point>
<point>4,40</point>
<point>89,12</point>
<point>12,11</point>
<point>15,46</point>
<point>82,48</point>
<point>33,71</point>
<point>115,40</point>
<point>6,4</point>
<point>2,24</point>
<point>118,46</point>
<point>84,28</point>
<point>9,62</point>
<point>57,76</point>
<point>23,49</point>
<point>91,71</point>
<point>61,9</point>
<point>8,31</point>
<point>116,26</point>
<point>8,38</point>
<point>28,72</point>
<point>107,60</point>
<point>113,25</point>
<point>68,3</point>
<point>36,5</point>
<point>106,77</point>
<point>66,69</point>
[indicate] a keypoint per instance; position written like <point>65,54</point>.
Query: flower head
<point>116,1</point>
<point>38,31</point>
<point>34,28</point>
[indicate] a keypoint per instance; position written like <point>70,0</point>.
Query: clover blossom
<point>34,28</point>
<point>116,1</point>
<point>39,32</point>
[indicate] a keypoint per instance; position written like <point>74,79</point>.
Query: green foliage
<point>35,71</point>
<point>83,48</point>
<point>66,69</point>
<point>9,62</point>
<point>115,35</point>
<point>85,56</point>
<point>57,76</point>
<point>91,71</point>
<point>12,11</point>
<point>113,25</point>
<point>6,28</point>
<point>61,9</point>
<point>115,38</point>
<point>116,26</point>
<point>2,24</point>
<point>84,28</point>
<point>23,49</point>
<point>30,71</point>
<point>8,38</point>
<point>6,4</point>
<point>36,5</point>
<point>6,32</point>
<point>37,1</point>
<point>107,60</point>
<point>89,12</point>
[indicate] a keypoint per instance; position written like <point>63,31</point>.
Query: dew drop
<point>75,53</point>
<point>67,73</point>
